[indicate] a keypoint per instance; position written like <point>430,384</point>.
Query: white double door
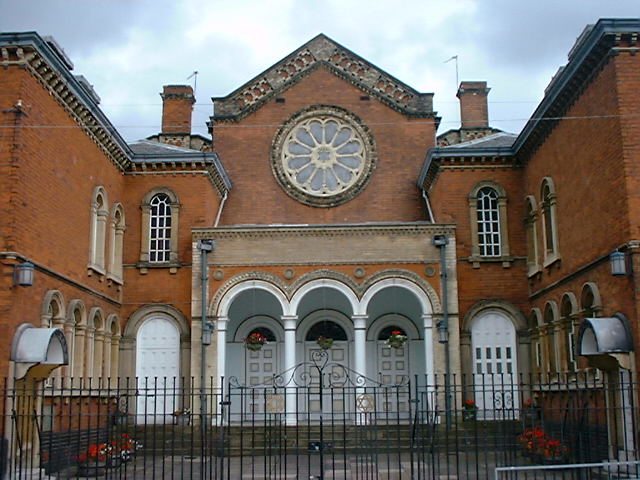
<point>157,370</point>
<point>335,394</point>
<point>493,340</point>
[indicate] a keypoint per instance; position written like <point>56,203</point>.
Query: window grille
<point>160,229</point>
<point>488,223</point>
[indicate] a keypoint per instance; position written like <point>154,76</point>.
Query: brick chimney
<point>177,104</point>
<point>473,104</point>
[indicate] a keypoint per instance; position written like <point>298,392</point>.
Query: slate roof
<point>501,139</point>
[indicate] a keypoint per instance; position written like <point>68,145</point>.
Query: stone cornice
<point>593,50</point>
<point>323,52</point>
<point>334,230</point>
<point>182,166</point>
<point>29,51</point>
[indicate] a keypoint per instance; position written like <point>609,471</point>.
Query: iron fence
<point>320,421</point>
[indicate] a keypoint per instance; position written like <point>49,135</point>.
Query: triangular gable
<point>321,51</point>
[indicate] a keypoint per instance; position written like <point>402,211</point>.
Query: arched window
<point>590,303</point>
<point>550,317</point>
<point>568,314</point>
<point>77,323</point>
<point>488,223</point>
<point>160,229</point>
<point>265,332</point>
<point>549,221</point>
<point>386,332</point>
<point>116,238</point>
<point>327,329</point>
<point>488,212</point>
<point>533,265</point>
<point>98,229</point>
<point>159,241</point>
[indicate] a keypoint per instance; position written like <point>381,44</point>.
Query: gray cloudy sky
<point>128,49</point>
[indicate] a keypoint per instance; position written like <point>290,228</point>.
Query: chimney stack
<point>177,104</point>
<point>474,112</point>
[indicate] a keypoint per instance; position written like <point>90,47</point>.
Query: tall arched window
<point>569,315</point>
<point>160,229</point>
<point>98,229</point>
<point>550,317</point>
<point>77,321</point>
<point>533,266</point>
<point>549,221</point>
<point>159,240</point>
<point>116,238</point>
<point>488,223</point>
<point>488,212</point>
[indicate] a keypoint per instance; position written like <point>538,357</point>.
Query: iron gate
<point>319,420</point>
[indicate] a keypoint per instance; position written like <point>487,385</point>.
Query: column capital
<point>427,320</point>
<point>288,317</point>
<point>359,321</point>
<point>221,323</point>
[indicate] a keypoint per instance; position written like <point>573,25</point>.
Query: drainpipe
<point>224,199</point>
<point>205,246</point>
<point>441,242</point>
<point>428,204</point>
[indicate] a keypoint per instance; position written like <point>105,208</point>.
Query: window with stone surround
<point>533,262</point>
<point>98,229</point>
<point>550,326</point>
<point>159,239</point>
<point>549,221</point>
<point>488,213</point>
<point>116,237</point>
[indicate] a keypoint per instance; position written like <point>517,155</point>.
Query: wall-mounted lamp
<point>618,262</point>
<point>207,331</point>
<point>23,274</point>
<point>443,332</point>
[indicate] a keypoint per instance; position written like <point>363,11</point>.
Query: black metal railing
<point>322,421</point>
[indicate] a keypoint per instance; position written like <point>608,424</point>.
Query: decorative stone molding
<point>64,88</point>
<point>321,51</point>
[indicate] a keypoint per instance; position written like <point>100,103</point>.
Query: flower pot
<point>254,346</point>
<point>469,415</point>
<point>181,420</point>
<point>396,343</point>
<point>325,344</point>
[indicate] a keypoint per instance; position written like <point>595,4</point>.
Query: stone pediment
<point>322,52</point>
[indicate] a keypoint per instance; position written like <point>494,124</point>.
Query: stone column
<point>360,343</point>
<point>221,341</point>
<point>290,322</point>
<point>427,324</point>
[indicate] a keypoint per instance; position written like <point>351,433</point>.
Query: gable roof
<point>321,51</point>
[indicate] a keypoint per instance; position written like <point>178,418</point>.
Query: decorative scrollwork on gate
<point>319,372</point>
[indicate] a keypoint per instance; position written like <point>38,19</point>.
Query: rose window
<point>321,156</point>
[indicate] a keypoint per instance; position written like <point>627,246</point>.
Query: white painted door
<point>158,370</point>
<point>393,367</point>
<point>493,340</point>
<point>335,398</point>
<point>261,366</point>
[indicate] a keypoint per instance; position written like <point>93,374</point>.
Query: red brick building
<point>334,208</point>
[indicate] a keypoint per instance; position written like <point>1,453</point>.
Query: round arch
<point>393,319</point>
<point>421,296</point>
<point>222,309</point>
<point>568,305</point>
<point>257,321</point>
<point>340,287</point>
<point>592,290</point>
<point>137,317</point>
<point>333,315</point>
<point>96,319</point>
<point>507,308</point>
<point>76,307</point>
<point>53,309</point>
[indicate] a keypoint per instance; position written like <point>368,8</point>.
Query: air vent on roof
<point>87,87</point>
<point>59,51</point>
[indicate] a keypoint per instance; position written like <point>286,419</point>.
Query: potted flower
<point>127,447</point>
<point>396,339</point>
<point>542,449</point>
<point>255,341</point>
<point>324,343</point>
<point>181,417</point>
<point>469,410</point>
<point>97,458</point>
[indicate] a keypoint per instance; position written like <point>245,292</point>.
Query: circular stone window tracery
<point>323,156</point>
